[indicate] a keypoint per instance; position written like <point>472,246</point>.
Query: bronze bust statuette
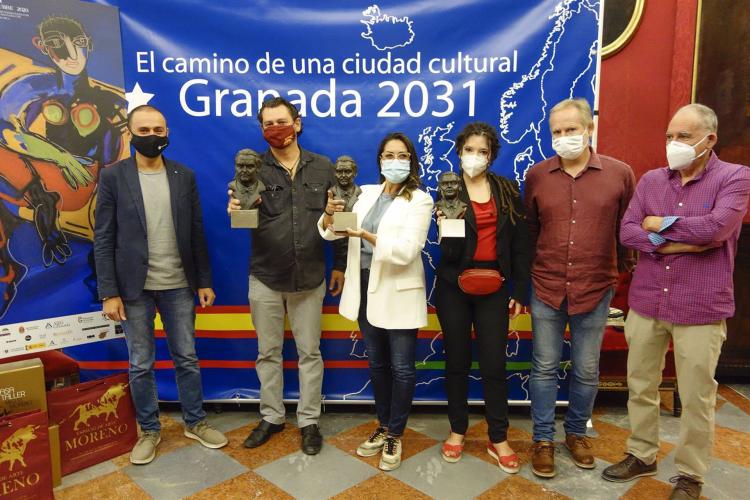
<point>345,189</point>
<point>246,187</point>
<point>449,186</point>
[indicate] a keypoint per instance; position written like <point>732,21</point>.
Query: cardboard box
<point>22,386</point>
<point>54,454</point>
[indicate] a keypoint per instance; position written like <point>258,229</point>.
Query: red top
<point>486,216</point>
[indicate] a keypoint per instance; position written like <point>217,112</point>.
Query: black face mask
<point>149,146</point>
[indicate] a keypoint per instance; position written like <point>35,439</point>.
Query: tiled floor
<point>279,470</point>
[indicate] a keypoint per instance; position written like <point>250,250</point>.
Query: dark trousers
<point>457,312</point>
<point>390,354</point>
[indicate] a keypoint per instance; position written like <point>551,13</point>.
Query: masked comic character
<point>58,128</point>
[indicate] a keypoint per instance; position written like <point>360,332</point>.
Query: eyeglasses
<point>396,156</point>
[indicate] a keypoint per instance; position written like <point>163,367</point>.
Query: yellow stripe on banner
<point>521,324</point>
<point>218,322</point>
<point>329,322</point>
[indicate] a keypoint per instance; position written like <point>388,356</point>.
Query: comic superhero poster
<point>62,119</point>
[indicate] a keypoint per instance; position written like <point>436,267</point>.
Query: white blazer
<point>396,296</point>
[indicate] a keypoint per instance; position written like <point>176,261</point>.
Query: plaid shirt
<point>687,288</point>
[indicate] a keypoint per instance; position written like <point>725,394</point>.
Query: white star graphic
<point>137,97</point>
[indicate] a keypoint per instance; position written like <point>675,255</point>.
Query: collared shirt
<point>287,251</point>
<point>687,288</point>
<point>573,227</point>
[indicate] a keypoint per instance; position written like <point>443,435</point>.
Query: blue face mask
<point>395,171</point>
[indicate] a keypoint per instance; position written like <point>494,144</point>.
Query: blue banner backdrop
<point>356,71</point>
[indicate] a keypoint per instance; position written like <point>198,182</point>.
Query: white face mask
<point>570,147</point>
<point>680,155</point>
<point>395,171</point>
<point>473,165</point>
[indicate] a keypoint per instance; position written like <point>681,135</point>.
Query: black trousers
<point>488,314</point>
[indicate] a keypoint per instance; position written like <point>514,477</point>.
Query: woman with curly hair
<point>481,279</point>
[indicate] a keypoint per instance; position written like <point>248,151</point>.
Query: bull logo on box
<point>13,449</point>
<point>106,405</point>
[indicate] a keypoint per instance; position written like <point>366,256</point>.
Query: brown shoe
<point>685,488</point>
<point>580,450</point>
<point>628,469</point>
<point>543,459</point>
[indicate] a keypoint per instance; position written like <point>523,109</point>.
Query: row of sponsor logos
<point>58,324</point>
<point>66,332</point>
<point>60,332</point>
<point>52,344</point>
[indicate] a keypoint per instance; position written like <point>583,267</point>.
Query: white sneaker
<point>144,450</point>
<point>390,459</point>
<point>374,443</point>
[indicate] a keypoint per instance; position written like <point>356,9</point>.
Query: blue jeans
<point>586,333</point>
<point>177,309</point>
<point>391,356</point>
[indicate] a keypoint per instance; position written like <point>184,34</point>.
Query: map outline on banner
<point>435,141</point>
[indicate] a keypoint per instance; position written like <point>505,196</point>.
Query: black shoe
<point>312,440</point>
<point>262,433</point>
<point>628,469</point>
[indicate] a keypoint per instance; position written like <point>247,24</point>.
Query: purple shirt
<point>687,288</point>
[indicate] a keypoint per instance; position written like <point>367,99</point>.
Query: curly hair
<point>509,193</point>
<point>481,129</point>
<point>413,181</point>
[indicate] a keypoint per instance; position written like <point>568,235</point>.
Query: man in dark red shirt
<point>574,202</point>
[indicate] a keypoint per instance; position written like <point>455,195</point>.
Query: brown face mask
<point>279,136</point>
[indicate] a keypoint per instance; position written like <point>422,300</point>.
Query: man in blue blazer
<point>151,254</point>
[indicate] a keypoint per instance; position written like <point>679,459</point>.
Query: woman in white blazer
<point>384,285</point>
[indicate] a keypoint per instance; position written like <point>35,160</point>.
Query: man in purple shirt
<point>685,221</point>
